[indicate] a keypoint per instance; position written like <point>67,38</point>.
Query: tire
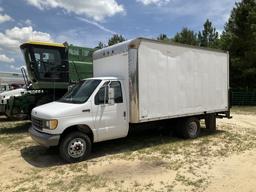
<point>75,147</point>
<point>190,128</point>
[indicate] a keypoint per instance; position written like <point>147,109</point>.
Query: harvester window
<point>49,64</point>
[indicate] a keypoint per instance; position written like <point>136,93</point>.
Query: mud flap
<point>210,122</point>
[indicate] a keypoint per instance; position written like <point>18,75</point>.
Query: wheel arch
<point>82,128</point>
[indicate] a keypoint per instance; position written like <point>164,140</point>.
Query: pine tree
<point>239,38</point>
<point>209,36</point>
<point>115,39</point>
<point>186,36</point>
<point>163,37</point>
<point>100,45</point>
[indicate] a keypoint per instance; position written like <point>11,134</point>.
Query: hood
<point>56,110</point>
<point>15,92</point>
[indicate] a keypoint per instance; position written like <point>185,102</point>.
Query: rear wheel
<point>190,128</point>
<point>75,147</point>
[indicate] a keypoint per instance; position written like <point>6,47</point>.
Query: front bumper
<point>44,139</point>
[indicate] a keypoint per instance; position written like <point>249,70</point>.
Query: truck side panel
<point>178,81</point>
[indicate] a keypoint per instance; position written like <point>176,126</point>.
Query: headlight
<point>51,124</point>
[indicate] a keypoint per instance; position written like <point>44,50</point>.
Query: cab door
<point>110,118</point>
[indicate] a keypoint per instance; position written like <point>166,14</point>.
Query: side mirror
<point>111,95</point>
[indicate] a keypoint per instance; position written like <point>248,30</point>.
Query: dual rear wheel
<point>188,128</point>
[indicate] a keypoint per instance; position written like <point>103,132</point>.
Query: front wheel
<point>75,147</point>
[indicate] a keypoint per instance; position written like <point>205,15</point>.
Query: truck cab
<point>96,108</point>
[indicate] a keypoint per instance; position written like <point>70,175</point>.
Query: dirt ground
<point>145,161</point>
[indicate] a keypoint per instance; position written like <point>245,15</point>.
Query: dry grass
<point>146,161</point>
<point>244,110</point>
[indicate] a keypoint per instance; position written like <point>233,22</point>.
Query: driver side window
<point>102,95</point>
<point>118,91</point>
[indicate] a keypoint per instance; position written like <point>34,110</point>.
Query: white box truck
<point>136,82</point>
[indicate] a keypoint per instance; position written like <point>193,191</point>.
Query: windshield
<point>81,92</point>
<point>49,64</point>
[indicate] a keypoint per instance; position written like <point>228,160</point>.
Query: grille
<point>38,123</point>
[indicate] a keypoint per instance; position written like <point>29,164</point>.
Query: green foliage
<point>186,36</point>
<point>112,41</point>
<point>100,45</point>
<point>115,39</point>
<point>239,38</point>
<point>163,37</point>
<point>208,37</point>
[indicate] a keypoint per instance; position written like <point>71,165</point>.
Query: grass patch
<point>183,157</point>
<point>245,110</point>
<point>12,133</point>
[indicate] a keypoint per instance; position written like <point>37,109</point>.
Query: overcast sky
<point>86,22</point>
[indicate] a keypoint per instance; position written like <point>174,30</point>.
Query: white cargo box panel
<point>178,81</point>
<point>166,80</point>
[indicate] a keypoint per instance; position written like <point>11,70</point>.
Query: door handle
<point>86,110</point>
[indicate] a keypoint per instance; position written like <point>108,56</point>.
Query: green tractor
<point>51,69</point>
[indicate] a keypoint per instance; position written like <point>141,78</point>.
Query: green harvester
<point>51,69</point>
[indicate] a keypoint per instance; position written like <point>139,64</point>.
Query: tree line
<point>238,37</point>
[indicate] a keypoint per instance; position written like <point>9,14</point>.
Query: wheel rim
<point>192,129</point>
<point>76,148</point>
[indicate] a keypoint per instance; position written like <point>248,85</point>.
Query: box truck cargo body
<point>140,82</point>
<point>167,80</point>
